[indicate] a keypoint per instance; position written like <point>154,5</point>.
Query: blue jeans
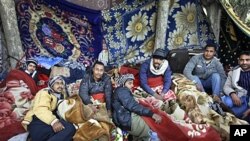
<point>238,110</point>
<point>212,82</point>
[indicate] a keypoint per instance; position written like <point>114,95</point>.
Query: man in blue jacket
<point>156,72</point>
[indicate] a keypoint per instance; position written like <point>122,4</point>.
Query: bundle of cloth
<point>90,125</point>
<point>197,106</point>
<point>16,94</point>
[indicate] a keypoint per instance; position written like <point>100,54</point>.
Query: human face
<point>129,84</point>
<point>244,62</point>
<point>58,86</point>
<point>31,67</point>
<point>98,71</point>
<point>157,63</point>
<point>209,53</point>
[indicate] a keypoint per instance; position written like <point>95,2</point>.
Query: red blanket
<point>170,130</point>
<point>20,75</point>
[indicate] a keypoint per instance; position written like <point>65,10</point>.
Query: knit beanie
<point>124,78</point>
<point>53,80</point>
<point>31,60</point>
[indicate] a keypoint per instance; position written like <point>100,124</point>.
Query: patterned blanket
<point>59,28</point>
<point>15,100</point>
<point>196,105</point>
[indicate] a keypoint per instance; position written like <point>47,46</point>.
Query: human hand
<point>246,113</point>
<point>236,99</point>
<point>57,126</point>
<point>157,118</point>
<point>199,87</point>
<point>93,107</point>
<point>157,96</point>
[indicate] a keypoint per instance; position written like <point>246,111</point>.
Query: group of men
<point>204,70</point>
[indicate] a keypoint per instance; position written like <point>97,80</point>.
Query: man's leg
<point>199,84</point>
<point>66,134</point>
<point>213,82</point>
<point>238,110</point>
<point>39,131</point>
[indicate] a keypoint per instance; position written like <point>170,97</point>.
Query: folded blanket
<point>90,125</point>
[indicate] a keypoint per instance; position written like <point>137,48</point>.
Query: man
<point>127,111</point>
<point>206,71</point>
<point>237,87</point>
<point>156,72</point>
<point>30,68</point>
<point>96,85</point>
<point>42,120</point>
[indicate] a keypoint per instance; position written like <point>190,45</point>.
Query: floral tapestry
<point>188,26</point>
<point>129,31</point>
<point>59,29</point>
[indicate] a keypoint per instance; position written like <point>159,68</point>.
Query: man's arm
<point>84,90</point>
<point>144,79</point>
<point>189,68</point>
<point>167,80</point>
<point>108,92</point>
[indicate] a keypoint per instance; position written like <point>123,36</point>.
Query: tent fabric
<point>188,26</point>
<point>129,30</point>
<point>243,25</point>
<point>59,29</point>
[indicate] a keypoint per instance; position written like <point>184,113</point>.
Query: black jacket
<point>89,87</point>
<point>123,104</point>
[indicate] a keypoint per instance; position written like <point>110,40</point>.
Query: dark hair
<point>98,63</point>
<point>210,45</point>
<point>244,53</point>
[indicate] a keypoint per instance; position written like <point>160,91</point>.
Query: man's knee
<point>216,76</point>
<point>227,100</point>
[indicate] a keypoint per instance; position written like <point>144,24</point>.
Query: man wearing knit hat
<point>155,75</point>
<point>127,111</point>
<point>42,120</point>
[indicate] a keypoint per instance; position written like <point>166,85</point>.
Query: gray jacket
<point>197,67</point>
<point>231,84</point>
<point>89,87</point>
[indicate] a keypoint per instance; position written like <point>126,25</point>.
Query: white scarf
<point>162,68</point>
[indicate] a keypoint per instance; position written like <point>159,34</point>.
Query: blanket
<point>196,105</point>
<point>90,125</point>
<point>169,128</point>
<point>15,100</point>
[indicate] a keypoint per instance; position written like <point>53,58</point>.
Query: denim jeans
<point>238,110</point>
<point>212,82</point>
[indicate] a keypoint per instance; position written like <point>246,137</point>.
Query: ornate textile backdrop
<point>188,26</point>
<point>59,28</point>
<point>232,41</point>
<point>129,30</point>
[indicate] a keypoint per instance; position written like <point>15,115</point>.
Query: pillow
<point>64,71</point>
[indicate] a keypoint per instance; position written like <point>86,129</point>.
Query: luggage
<point>178,58</point>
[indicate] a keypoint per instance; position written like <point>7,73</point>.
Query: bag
<point>178,59</point>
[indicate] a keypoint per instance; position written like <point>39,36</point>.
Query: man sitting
<point>206,71</point>
<point>96,84</point>
<point>42,120</point>
<point>156,72</point>
<point>237,87</point>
